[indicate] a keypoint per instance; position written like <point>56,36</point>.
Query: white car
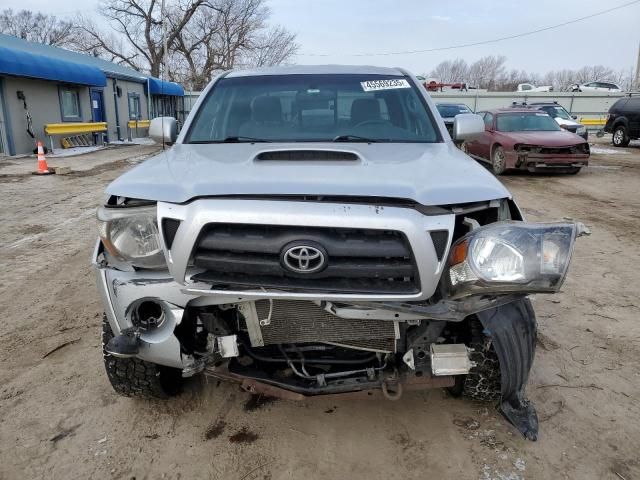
<point>596,87</point>
<point>528,87</point>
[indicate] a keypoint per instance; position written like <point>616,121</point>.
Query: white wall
<point>587,105</point>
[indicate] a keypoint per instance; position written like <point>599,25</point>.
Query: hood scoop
<point>307,155</point>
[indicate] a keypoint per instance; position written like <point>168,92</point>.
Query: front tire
<point>132,377</point>
<point>498,161</point>
<point>620,137</point>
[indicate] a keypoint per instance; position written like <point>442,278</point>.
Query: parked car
<point>529,87</point>
<point>595,87</point>
<point>527,139</point>
<point>314,231</point>
<point>623,120</point>
<point>448,112</point>
<point>562,117</point>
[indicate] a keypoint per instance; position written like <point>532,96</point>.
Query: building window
<point>135,111</point>
<point>70,105</point>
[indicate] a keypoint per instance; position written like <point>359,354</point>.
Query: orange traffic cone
<point>43,168</point>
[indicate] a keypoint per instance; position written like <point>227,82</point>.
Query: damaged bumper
<point>510,322</point>
<point>122,291</point>
<point>545,162</point>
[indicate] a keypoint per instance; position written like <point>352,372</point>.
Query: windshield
<point>305,108</point>
<point>526,122</point>
<point>558,112</point>
<point>448,111</point>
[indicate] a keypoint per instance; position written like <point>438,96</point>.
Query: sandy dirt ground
<point>59,417</point>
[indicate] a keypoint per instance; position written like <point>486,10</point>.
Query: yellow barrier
<point>73,128</point>
<point>139,123</point>
<point>76,128</point>
<point>592,122</point>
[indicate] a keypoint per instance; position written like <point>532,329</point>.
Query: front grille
<point>560,150</point>
<point>300,321</point>
<point>357,260</point>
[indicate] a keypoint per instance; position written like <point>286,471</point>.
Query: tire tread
<point>133,377</point>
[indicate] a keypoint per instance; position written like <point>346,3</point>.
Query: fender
<point>512,328</point>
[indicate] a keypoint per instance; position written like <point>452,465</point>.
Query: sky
<point>340,31</point>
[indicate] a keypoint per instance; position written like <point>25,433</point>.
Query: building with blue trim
<point>41,84</point>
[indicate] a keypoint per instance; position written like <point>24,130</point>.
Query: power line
<point>474,44</point>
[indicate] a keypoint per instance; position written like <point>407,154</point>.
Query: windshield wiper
<point>241,139</point>
<point>353,138</point>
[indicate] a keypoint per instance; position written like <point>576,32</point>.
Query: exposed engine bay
<point>255,311</point>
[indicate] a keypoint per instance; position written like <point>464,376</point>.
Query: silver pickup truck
<point>315,231</point>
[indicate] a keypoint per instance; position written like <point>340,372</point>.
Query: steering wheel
<point>371,122</point>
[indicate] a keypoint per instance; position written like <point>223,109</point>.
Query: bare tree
<point>509,81</point>
<point>484,72</point>
<point>37,27</point>
<point>625,78</point>
<point>272,47</point>
<point>231,34</point>
<point>140,24</point>
<point>202,37</point>
<point>451,71</point>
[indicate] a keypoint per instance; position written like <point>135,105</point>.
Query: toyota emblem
<point>304,259</point>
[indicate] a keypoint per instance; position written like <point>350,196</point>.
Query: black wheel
<point>498,161</point>
<point>132,377</point>
<point>483,381</point>
<point>620,137</point>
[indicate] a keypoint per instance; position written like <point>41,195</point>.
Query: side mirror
<point>467,126</point>
<point>163,130</point>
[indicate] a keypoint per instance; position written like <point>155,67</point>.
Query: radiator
<point>302,321</point>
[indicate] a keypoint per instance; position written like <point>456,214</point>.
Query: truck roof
<point>317,70</point>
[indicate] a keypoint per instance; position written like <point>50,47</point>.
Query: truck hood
<point>560,138</point>
<point>430,174</point>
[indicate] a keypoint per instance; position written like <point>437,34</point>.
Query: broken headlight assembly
<point>131,235</point>
<point>510,257</point>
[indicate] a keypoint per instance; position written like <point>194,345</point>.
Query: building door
<point>97,106</point>
<point>4,148</point>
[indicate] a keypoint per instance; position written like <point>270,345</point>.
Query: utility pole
<point>637,83</point>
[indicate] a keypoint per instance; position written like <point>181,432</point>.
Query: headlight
<point>511,257</point>
<point>131,235</point>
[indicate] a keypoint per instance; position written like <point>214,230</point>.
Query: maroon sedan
<point>527,139</point>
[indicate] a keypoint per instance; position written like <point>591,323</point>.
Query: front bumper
<point>543,162</point>
<point>121,290</point>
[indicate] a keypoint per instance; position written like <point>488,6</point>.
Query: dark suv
<point>623,120</point>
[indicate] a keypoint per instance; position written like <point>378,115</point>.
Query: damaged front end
<point>402,300</point>
<point>535,158</point>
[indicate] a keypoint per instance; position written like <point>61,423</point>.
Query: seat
<point>239,114</point>
<point>266,120</point>
<point>365,110</point>
<point>267,110</point>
